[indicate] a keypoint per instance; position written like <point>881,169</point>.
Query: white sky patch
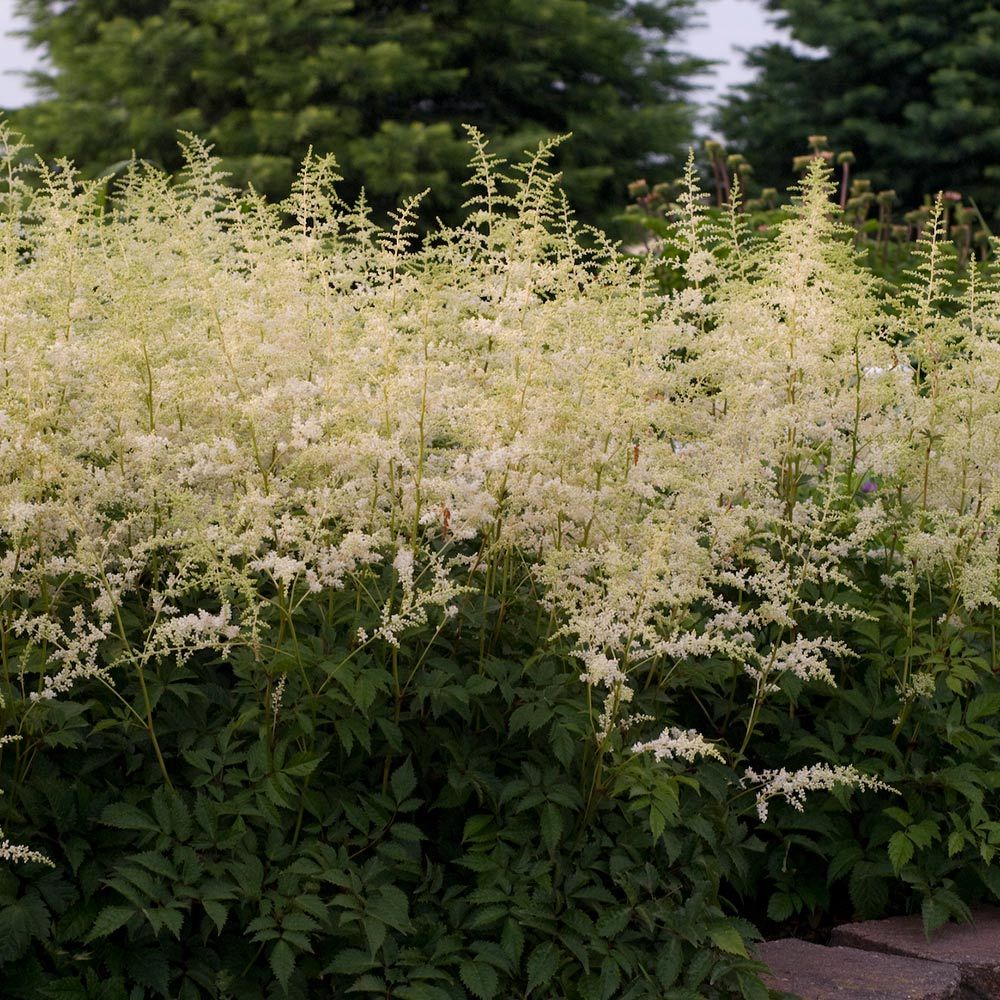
<point>726,27</point>
<point>15,57</point>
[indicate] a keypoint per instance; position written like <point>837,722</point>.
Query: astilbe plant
<point>426,616</point>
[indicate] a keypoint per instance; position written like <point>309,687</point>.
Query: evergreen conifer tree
<point>911,86</point>
<point>383,84</point>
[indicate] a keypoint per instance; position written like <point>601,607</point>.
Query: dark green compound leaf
<point>512,942</point>
<point>610,979</point>
<point>900,850</point>
<point>375,932</point>
<point>150,967</point>
<point>552,826</point>
<point>780,907</point>
<point>127,817</point>
<point>869,893</point>
<point>391,906</point>
<point>282,962</point>
<point>22,921</point>
<point>728,939</point>
<point>613,921</point>
<point>217,912</point>
<point>403,781</point>
<point>543,963</point>
<point>480,979</point>
<point>351,962</point>
<point>110,919</point>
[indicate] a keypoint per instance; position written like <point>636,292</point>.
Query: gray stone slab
<point>973,948</point>
<point>812,972</point>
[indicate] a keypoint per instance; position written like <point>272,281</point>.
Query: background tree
<point>384,84</point>
<point>911,86</point>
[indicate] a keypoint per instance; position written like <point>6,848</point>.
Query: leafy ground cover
<point>465,617</point>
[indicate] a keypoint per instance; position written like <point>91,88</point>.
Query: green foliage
<point>385,86</point>
<point>909,87</point>
<point>934,848</point>
<point>428,847</point>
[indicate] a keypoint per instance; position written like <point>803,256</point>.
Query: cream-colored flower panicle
<point>679,744</point>
<point>792,786</point>
<point>20,854</point>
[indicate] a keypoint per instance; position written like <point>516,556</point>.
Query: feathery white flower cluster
<point>920,684</point>
<point>181,635</point>
<point>20,854</point>
<point>75,647</point>
<point>792,786</point>
<point>411,608</point>
<point>277,696</point>
<point>679,744</point>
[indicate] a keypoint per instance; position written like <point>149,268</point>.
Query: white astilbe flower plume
<point>792,786</point>
<point>679,744</point>
<point>20,854</point>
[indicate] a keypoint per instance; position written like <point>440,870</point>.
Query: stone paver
<point>973,948</point>
<point>813,972</point>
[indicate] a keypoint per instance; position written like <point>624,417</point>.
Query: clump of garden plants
<point>462,616</point>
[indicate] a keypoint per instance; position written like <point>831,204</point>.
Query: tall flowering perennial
<point>219,416</point>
